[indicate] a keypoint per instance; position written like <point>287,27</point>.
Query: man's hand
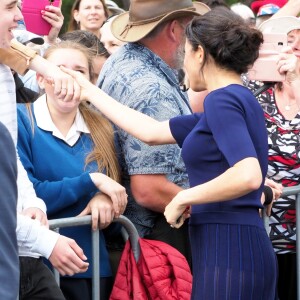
<point>67,257</point>
<point>101,209</point>
<point>36,214</point>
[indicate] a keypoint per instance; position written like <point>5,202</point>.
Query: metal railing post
<point>96,270</point>
<point>295,190</point>
<point>79,221</point>
<point>87,220</point>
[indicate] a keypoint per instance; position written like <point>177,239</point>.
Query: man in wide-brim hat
<point>142,74</point>
<point>144,16</point>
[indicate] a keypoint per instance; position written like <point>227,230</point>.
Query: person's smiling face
<point>90,15</point>
<point>9,17</point>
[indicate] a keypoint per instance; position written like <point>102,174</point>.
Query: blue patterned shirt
<point>138,78</point>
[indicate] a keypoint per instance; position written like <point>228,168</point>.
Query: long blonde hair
<point>101,130</point>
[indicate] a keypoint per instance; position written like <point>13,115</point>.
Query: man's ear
<point>40,80</point>
<point>174,30</point>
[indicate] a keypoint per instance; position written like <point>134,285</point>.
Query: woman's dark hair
<point>226,38</point>
<point>87,39</point>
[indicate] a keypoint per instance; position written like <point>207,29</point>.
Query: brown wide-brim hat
<point>145,15</point>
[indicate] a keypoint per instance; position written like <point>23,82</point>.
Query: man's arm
<point>154,192</point>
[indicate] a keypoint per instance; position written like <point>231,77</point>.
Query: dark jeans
<point>37,281</point>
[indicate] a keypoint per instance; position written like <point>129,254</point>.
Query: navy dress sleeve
<point>227,120</point>
<point>181,126</point>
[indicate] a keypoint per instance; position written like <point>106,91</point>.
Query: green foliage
<point>66,11</point>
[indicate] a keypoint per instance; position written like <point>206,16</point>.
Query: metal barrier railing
<point>288,191</point>
<point>134,236</point>
<point>87,220</point>
<point>295,190</point>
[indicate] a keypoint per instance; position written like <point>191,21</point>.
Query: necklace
<point>289,105</point>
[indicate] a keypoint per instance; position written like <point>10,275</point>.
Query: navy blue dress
<point>232,255</point>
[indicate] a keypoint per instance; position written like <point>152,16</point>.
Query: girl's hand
<point>114,190</point>
<point>176,212</point>
<point>101,209</point>
<point>55,18</point>
<point>86,87</point>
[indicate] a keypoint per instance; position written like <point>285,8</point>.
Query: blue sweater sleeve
<point>57,194</point>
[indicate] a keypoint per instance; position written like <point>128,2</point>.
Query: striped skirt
<point>232,262</point>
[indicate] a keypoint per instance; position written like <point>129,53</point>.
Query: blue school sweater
<point>60,178</point>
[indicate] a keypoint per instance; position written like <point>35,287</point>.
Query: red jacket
<point>161,273</point>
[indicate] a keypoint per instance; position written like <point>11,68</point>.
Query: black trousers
<point>37,281</point>
<point>287,280</point>
<point>81,288</point>
<point>177,238</point>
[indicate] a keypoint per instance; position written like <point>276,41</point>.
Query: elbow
<point>252,182</point>
<point>141,198</point>
<point>149,141</point>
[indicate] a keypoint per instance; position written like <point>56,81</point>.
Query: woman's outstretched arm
<point>137,124</point>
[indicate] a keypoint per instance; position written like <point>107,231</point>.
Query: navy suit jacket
<point>9,261</point>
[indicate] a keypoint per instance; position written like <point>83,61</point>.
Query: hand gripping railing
<point>87,220</point>
<point>287,191</point>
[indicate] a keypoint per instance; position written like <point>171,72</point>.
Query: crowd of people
<point>149,113</point>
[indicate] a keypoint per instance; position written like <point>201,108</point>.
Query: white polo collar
<point>44,121</point>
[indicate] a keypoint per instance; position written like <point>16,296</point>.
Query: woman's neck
<point>219,78</point>
<point>286,101</point>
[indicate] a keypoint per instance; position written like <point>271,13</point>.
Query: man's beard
<point>179,56</point>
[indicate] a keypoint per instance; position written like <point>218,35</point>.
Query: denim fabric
<point>138,78</point>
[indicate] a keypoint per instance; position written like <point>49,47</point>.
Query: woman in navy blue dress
<point>226,154</point>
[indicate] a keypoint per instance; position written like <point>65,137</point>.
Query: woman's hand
<point>277,189</point>
<point>86,87</point>
<point>176,212</point>
<point>114,190</point>
<point>101,209</point>
<point>55,18</point>
<point>289,64</point>
<point>65,87</point>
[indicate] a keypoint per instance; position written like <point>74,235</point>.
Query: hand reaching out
<point>101,209</point>
<point>85,85</point>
